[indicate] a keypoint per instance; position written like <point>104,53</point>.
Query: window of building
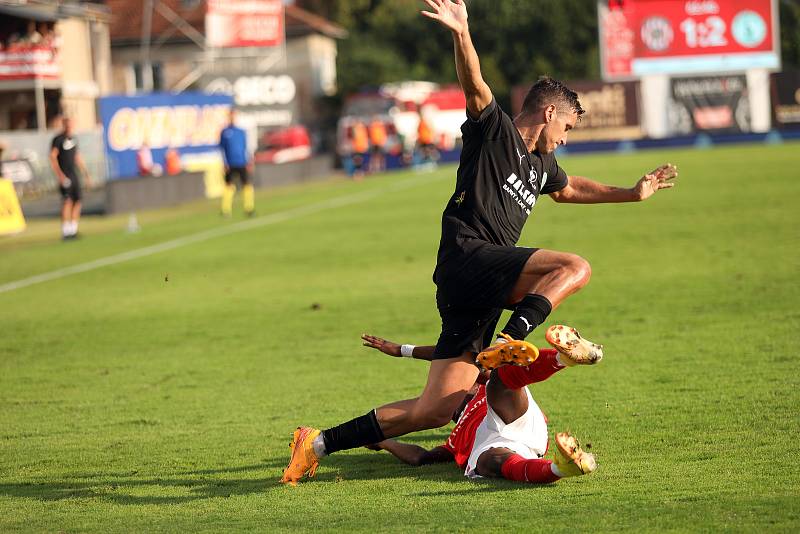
<point>157,70</point>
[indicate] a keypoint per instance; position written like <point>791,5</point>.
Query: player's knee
<point>583,271</point>
<point>579,271</point>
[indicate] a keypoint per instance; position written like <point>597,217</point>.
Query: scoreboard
<point>641,37</point>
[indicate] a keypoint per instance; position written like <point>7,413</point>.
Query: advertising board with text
<point>244,23</point>
<point>786,99</point>
<point>716,104</point>
<point>642,37</point>
<point>188,122</point>
<point>612,109</point>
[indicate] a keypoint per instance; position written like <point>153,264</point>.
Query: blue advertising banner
<point>189,123</point>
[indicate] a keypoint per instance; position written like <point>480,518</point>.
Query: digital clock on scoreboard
<point>641,37</point>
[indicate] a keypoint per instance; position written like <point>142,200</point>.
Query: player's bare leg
<point>66,217</point>
<point>552,274</point>
<point>505,391</point>
<point>76,216</point>
<point>448,382</point>
<point>547,278</point>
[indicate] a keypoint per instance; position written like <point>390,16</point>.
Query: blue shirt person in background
<point>233,144</point>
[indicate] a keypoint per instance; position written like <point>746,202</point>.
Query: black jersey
<point>67,149</point>
<point>497,185</point>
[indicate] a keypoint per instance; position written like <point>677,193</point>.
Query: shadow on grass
<point>129,488</point>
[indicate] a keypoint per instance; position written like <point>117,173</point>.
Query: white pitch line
<point>205,235</point>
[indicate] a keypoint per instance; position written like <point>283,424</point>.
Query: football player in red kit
<point>501,432</point>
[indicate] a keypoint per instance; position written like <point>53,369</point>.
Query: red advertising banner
<point>641,37</point>
<point>244,23</point>
<point>29,63</point>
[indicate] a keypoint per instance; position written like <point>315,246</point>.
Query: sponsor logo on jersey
<point>523,196</point>
<point>68,144</point>
<point>532,178</point>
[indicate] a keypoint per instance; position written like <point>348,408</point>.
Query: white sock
<point>319,446</point>
<point>74,227</point>
<point>560,361</point>
<point>555,470</point>
<point>500,340</point>
<point>65,229</point>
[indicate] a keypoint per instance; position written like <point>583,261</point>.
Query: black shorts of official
<point>72,192</point>
<point>472,291</point>
<point>240,172</point>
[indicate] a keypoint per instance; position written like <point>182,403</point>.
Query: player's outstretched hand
<point>452,14</point>
<point>386,347</point>
<point>659,178</point>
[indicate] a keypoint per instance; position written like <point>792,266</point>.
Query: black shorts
<point>73,191</point>
<point>472,291</point>
<point>241,172</point>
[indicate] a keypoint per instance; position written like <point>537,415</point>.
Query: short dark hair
<point>548,91</point>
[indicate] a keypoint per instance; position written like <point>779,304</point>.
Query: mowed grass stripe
<point>258,222</point>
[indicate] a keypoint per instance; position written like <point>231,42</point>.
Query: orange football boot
<point>513,351</point>
<point>304,459</point>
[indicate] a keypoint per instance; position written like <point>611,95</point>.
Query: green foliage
<point>517,41</point>
<point>159,395</point>
<point>790,32</point>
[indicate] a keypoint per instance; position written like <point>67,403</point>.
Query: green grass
<point>159,394</point>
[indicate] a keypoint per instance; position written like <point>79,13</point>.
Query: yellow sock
<point>248,198</point>
<point>227,199</point>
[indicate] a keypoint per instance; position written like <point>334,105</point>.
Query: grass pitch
<point>159,394</point>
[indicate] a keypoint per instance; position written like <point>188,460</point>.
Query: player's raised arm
<point>452,14</point>
<point>582,190</point>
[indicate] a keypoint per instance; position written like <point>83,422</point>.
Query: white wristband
<point>406,351</point>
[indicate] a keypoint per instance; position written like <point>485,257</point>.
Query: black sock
<point>357,432</point>
<point>528,314</point>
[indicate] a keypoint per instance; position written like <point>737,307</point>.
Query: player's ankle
<point>319,446</point>
<point>556,471</point>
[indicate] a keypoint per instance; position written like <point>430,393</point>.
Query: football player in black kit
<point>65,161</point>
<point>505,166</point>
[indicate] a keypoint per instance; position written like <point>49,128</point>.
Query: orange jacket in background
<point>424,133</point>
<point>377,134</point>
<point>360,138</point>
<point>173,162</point>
